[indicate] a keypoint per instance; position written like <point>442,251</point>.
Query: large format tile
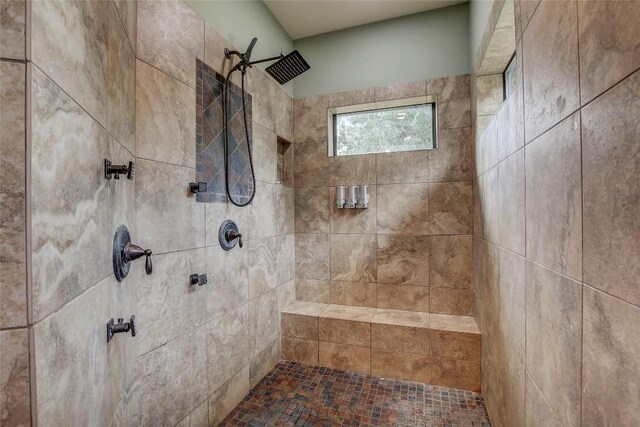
<point>170,38</point>
<point>451,301</point>
<point>344,331</point>
<point>71,237</point>
<point>312,256</point>
<point>353,220</point>
<point>611,367</point>
<point>285,210</point>
<point>404,339</point>
<point>310,119</point>
<point>454,101</point>
<point>403,260</point>
<point>451,207</point>
<point>15,407</point>
<point>263,90</point>
<point>262,220</point>
<point>354,293</point>
<point>262,265</point>
<point>263,322</point>
<point>403,209</point>
<point>227,346</point>
<point>127,11</point>
<point>464,374</point>
<point>351,97</point>
<point>510,118</point>
<point>451,261</point>
<point>611,166</point>
<point>13,29</point>
<point>311,210</point>
<point>174,379</point>
<point>609,49</point>
<point>455,345</point>
<point>300,326</point>
<point>69,43</point>
<point>391,364</point>
<point>553,339</point>
<point>300,350</point>
<point>13,287</point>
<point>550,64</point>
<point>165,111</point>
<point>265,153</point>
<point>311,165</point>
<point>167,294</point>
<point>453,159</point>
<point>286,258</point>
<point>313,290</point>
<point>343,356</point>
<point>536,408</point>
<point>161,229</point>
<point>511,211</point>
<point>401,90</point>
<point>121,83</point>
<point>403,167</point>
<point>228,285</point>
<point>228,396</point>
<point>284,115</point>
<point>553,199</point>
<point>412,298</point>
<point>352,170</point>
<point>512,301</point>
<point>353,257</point>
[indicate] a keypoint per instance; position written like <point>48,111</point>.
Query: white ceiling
<point>304,18</point>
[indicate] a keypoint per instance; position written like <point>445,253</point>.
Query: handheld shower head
<point>247,54</point>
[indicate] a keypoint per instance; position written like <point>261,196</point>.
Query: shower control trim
<point>124,252</point>
<point>229,235</point>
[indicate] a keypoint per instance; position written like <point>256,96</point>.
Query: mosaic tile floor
<point>293,394</point>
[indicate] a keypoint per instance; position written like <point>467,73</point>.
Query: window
<point>509,77</point>
<point>383,127</point>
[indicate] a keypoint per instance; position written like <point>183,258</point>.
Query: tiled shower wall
<point>14,331</point>
<point>412,248</point>
<point>126,91</point>
<point>557,238</point>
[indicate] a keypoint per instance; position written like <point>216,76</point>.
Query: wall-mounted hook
<point>198,187</point>
<point>198,279</point>
<point>116,328</point>
<point>117,170</point>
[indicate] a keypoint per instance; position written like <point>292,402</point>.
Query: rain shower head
<point>288,67</point>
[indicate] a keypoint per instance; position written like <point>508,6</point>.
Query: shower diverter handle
<point>131,252</point>
<point>233,234</point>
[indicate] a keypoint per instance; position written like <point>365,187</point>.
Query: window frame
<point>332,112</point>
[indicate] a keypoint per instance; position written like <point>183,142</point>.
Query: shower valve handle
<point>131,252</point>
<point>233,234</point>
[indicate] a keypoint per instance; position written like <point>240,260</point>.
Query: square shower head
<point>288,67</point>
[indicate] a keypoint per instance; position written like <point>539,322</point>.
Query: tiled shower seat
<point>431,348</point>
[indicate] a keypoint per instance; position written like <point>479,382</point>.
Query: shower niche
<point>210,128</point>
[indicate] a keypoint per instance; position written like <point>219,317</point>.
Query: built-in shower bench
<point>431,348</point>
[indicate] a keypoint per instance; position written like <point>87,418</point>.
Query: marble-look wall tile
<point>262,265</point>
<point>554,303</point>
<point>214,45</point>
<point>70,230</point>
<point>412,367</point>
<point>310,119</point>
<point>353,257</point>
<point>353,220</point>
<point>312,256</point>
<point>263,322</point>
<point>343,356</point>
<point>265,153</point>
<point>300,350</point>
<point>513,386</point>
<point>227,344</point>
<point>311,210</point>
<point>451,261</point>
<point>160,229</point>
<point>550,62</point>
<point>510,118</point>
<point>228,275</point>
<point>127,11</point>
<point>403,209</point>
<point>15,407</point>
<point>512,301</point>
<point>554,197</point>
<point>121,83</point>
<point>490,200</point>
<point>609,51</point>
<point>451,301</point>
<point>354,293</point>
<point>402,90</point>
<point>400,338</point>
<point>286,258</point>
<point>285,210</point>
<point>412,298</point>
<point>13,29</point>
<point>403,260</point>
<point>300,326</point>
<point>167,294</point>
<point>222,402</point>
<point>451,207</point>
<point>464,374</point>
<point>76,363</point>
<point>286,294</point>
<point>351,97</point>
<point>263,89</point>
<point>170,38</point>
<point>344,331</point>
<point>311,166</point>
<point>352,170</point>
<point>611,367</point>
<point>455,345</point>
<point>487,148</point>
<point>511,207</point>
<point>536,408</point>
<point>489,93</point>
<point>199,417</point>
<point>403,167</point>
<point>453,159</point>
<point>165,111</point>
<point>262,213</point>
<point>217,213</point>
<point>173,379</point>
<point>13,286</point>
<point>611,191</point>
<point>454,101</point>
<point>313,290</point>
<point>523,11</point>
<point>83,72</point>
<point>264,362</point>
<point>284,115</point>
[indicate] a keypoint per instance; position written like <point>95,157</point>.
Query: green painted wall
<point>240,21</point>
<point>479,12</point>
<point>414,47</point>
